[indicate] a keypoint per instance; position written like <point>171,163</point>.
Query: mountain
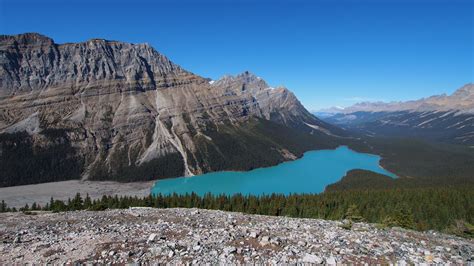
<point>461,100</point>
<point>447,118</point>
<point>109,110</point>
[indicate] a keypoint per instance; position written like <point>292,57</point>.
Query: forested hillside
<point>442,208</point>
<point>418,158</point>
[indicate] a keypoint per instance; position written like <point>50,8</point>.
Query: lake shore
<point>310,173</point>
<point>18,196</point>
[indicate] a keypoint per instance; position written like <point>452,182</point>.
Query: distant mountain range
<point>109,110</point>
<point>447,118</point>
<point>461,100</point>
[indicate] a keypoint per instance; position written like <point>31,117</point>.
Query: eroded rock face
<point>277,104</point>
<point>125,108</point>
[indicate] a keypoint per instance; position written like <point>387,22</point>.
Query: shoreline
<point>18,196</point>
<point>176,184</point>
<point>381,166</point>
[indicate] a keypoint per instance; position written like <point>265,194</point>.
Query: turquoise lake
<point>309,174</point>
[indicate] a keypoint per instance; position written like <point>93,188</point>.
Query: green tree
<point>3,206</point>
<point>404,218</point>
<point>25,208</point>
<point>87,202</point>
<point>353,214</point>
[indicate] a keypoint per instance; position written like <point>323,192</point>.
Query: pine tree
<point>25,208</point>
<point>51,204</point>
<point>87,202</point>
<point>3,206</point>
<point>353,214</point>
<point>404,218</point>
<point>76,203</point>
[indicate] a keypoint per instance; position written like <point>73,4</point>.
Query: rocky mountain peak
<point>243,81</point>
<point>465,91</point>
<point>248,77</point>
<point>32,62</point>
<point>25,39</point>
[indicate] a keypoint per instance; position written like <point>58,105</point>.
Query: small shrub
<point>461,228</point>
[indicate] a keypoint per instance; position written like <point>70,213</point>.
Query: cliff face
<point>110,109</point>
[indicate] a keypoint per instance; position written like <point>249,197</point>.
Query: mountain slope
<point>440,118</point>
<point>112,110</point>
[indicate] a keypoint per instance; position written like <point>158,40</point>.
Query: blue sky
<point>327,52</point>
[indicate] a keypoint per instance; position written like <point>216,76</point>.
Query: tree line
<point>420,208</point>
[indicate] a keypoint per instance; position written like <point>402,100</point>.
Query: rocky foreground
<point>205,236</point>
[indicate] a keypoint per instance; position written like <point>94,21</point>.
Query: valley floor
<point>199,236</point>
<point>18,196</point>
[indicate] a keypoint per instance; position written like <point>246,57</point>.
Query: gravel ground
<point>206,236</point>
<point>18,196</point>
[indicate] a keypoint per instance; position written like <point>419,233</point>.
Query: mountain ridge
<point>461,100</point>
<point>446,118</point>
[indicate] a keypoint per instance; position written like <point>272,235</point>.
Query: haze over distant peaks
<point>461,100</point>
<point>448,118</point>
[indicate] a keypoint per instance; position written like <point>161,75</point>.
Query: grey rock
<point>310,258</point>
<point>254,234</point>
<point>265,241</point>
<point>331,261</point>
<point>229,250</point>
<point>152,237</point>
<point>301,243</point>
